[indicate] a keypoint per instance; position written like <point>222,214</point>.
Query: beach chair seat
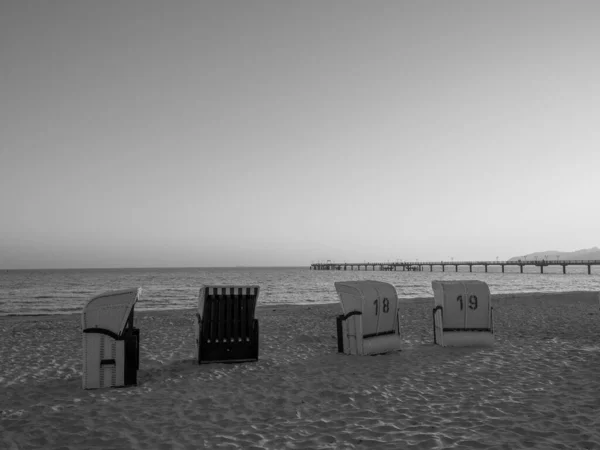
<point>225,327</point>
<point>370,323</point>
<point>111,344</point>
<point>463,313</point>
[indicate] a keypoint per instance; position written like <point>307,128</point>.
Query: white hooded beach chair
<point>463,313</point>
<point>370,322</point>
<point>225,329</point>
<point>110,342</point>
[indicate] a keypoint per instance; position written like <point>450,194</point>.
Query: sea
<point>66,291</point>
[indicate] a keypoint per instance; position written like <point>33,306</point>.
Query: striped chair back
<point>227,313</point>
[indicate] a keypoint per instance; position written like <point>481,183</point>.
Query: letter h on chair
<point>370,322</point>
<point>111,344</point>
<point>463,313</point>
<point>225,329</point>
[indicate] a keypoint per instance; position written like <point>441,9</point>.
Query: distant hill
<point>585,254</point>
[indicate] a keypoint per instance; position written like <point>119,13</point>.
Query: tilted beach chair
<point>370,324</point>
<point>225,329</point>
<point>463,313</point>
<point>111,345</point>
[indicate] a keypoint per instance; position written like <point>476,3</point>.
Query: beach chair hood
<point>110,311</point>
<point>224,290</point>
<point>441,287</point>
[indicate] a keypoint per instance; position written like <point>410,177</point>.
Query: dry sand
<point>538,387</point>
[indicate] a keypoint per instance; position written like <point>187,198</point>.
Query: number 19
<point>473,304</point>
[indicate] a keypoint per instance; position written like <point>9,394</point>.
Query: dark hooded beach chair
<point>111,344</point>
<point>225,328</point>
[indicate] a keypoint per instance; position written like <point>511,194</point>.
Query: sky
<point>266,133</point>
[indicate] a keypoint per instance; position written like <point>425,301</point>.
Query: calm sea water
<point>24,292</point>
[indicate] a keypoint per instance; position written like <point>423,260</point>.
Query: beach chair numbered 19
<point>370,323</point>
<point>225,329</point>
<point>111,344</point>
<point>463,314</point>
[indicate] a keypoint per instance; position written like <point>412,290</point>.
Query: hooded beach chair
<point>463,313</point>
<point>370,322</point>
<point>225,329</point>
<point>111,345</point>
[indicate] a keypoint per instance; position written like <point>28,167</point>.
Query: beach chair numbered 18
<point>370,323</point>
<point>463,313</point>
<point>111,344</point>
<point>225,327</point>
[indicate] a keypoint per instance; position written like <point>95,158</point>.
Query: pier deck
<point>419,265</point>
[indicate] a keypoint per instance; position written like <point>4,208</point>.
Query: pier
<point>419,265</point>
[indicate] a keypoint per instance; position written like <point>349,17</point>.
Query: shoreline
<point>538,298</point>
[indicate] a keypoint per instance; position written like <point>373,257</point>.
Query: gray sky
<point>140,133</point>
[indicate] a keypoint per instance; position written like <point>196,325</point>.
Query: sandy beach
<point>538,387</point>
